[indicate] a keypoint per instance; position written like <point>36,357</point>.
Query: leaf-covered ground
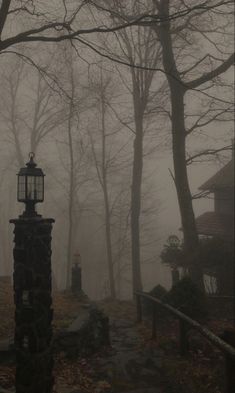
<point>65,305</point>
<point>6,309</point>
<point>201,372</point>
<point>66,308</point>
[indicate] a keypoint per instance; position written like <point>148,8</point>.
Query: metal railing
<point>185,324</point>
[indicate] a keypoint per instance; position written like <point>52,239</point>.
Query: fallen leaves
<point>201,372</point>
<point>77,374</point>
<point>6,308</point>
<point>7,376</point>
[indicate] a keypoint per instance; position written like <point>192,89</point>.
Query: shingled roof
<point>214,224</point>
<point>224,178</point>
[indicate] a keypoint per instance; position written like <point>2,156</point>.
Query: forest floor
<point>133,363</point>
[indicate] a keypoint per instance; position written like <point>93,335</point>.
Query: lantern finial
<point>31,163</point>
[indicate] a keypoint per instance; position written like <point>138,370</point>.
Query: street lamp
<point>173,241</point>
<point>77,259</point>
<point>77,274</point>
<point>30,187</point>
<point>32,286</point>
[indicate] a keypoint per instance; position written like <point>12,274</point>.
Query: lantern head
<point>77,259</point>
<point>173,241</point>
<point>30,188</point>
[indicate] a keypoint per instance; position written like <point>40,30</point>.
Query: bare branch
<point>207,152</point>
<point>199,123</point>
<point>212,74</point>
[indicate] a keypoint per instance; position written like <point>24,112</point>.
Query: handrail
<point>218,342</point>
<point>185,323</point>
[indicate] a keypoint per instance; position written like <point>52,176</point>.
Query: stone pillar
<point>33,312</point>
<point>76,278</point>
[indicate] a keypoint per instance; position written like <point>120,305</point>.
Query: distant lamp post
<point>32,286</point>
<point>77,259</point>
<point>76,274</point>
<point>30,187</point>
<point>173,241</point>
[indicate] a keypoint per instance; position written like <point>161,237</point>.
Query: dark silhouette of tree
<point>179,86</point>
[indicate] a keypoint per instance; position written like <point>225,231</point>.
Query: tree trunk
<point>106,204</point>
<point>71,188</point>
<point>19,153</point>
<point>177,92</point>
<point>191,240</point>
<point>136,199</point>
<point>109,244</point>
<point>180,168</point>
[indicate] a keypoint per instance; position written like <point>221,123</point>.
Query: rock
<point>79,322</point>
<point>86,335</point>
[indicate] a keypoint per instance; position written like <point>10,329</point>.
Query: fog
<point>80,114</point>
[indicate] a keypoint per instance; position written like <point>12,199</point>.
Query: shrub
<point>172,256</point>
<point>159,292</point>
<point>186,297</point>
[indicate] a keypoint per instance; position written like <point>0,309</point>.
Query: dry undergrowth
<point>65,305</point>
<point>200,372</point>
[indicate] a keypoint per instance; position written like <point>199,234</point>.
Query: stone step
<point>80,321</point>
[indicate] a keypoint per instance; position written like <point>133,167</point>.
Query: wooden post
<point>154,322</point>
<point>139,308</point>
<point>184,345</point>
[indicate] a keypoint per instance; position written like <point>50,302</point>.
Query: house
<point>220,221</point>
<point>218,225</point>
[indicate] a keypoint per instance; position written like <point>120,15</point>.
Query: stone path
<point>130,367</point>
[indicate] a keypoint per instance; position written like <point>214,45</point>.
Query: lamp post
<point>32,286</point>
<point>174,243</point>
<point>30,189</point>
<point>77,274</point>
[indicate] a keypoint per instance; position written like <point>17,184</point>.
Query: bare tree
<point>71,193</point>
<point>29,113</point>
<point>137,46</point>
<point>102,96</point>
<point>172,22</point>
<point>77,168</point>
<point>63,25</point>
<point>168,32</point>
<point>180,27</point>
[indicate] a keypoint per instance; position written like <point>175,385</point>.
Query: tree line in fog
<point>97,89</point>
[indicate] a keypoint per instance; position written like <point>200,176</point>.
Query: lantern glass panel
<point>39,187</point>
<point>21,188</point>
<point>31,190</point>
